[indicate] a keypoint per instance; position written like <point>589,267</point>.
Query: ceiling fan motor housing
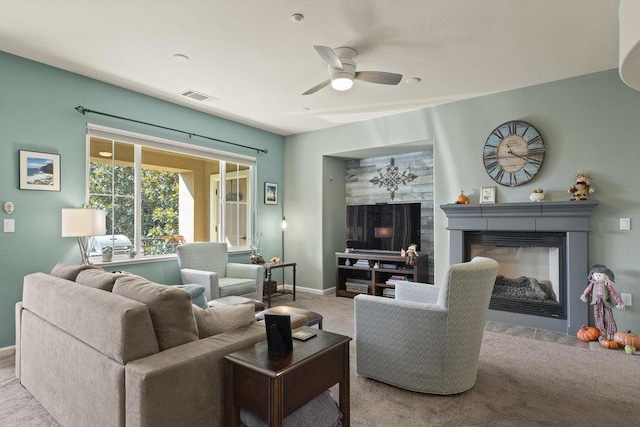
<point>348,71</point>
<point>343,79</point>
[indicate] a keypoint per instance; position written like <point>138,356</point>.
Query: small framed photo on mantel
<point>488,195</point>
<point>270,193</point>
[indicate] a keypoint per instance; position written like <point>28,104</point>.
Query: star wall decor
<point>392,179</point>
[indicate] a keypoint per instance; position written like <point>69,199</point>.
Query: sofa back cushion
<point>117,327</point>
<point>169,306</point>
<point>98,278</point>
<point>70,271</point>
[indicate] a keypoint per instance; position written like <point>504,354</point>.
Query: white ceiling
<point>257,61</point>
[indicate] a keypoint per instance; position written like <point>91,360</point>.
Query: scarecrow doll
<point>600,287</point>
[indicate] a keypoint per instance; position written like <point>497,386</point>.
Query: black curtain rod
<point>80,109</point>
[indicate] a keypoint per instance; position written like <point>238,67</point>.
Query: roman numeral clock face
<point>513,153</point>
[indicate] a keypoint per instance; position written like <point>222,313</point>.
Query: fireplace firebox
<point>542,249</point>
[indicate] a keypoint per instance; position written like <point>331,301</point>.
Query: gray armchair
<point>428,338</point>
<point>208,264</point>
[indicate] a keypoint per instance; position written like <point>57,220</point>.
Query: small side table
<point>268,267</point>
<point>274,387</point>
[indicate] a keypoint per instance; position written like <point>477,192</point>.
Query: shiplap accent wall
<point>360,191</point>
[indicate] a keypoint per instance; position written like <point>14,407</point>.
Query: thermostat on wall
<point>8,207</point>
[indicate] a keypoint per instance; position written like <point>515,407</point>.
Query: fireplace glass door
<point>531,278</point>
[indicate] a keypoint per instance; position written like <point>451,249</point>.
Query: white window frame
<point>139,140</point>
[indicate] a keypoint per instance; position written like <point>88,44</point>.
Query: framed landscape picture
<point>270,193</point>
<point>39,171</point>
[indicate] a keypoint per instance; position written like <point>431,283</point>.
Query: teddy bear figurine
<point>582,187</point>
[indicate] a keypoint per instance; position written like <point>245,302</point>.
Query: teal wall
<point>37,113</point>
<point>588,123</point>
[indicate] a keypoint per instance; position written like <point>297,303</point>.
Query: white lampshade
<point>83,222</point>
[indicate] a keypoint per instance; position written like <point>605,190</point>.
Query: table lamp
<point>84,223</point>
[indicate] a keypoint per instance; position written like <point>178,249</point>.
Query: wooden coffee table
<point>274,387</point>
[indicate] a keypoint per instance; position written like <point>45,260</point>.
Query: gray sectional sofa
<point>103,349</point>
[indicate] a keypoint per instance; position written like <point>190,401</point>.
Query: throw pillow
<point>69,270</point>
<point>197,294</point>
<point>216,320</point>
<point>98,279</point>
<point>169,307</point>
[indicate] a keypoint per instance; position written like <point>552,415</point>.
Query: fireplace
<point>542,249</point>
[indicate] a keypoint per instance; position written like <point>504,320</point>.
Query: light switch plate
<point>9,226</point>
<point>625,223</point>
<point>626,299</point>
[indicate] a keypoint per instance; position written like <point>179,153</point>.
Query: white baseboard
<point>311,290</point>
<point>7,351</point>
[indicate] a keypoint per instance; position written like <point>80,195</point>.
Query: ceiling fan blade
<point>329,56</point>
<point>317,87</point>
<point>380,77</point>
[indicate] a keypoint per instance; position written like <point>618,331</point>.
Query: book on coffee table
<point>303,335</point>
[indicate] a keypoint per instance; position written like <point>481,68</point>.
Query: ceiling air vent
<point>198,96</point>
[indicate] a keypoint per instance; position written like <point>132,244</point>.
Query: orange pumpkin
<point>462,199</point>
<point>628,338</point>
<point>611,344</point>
<point>588,333</point>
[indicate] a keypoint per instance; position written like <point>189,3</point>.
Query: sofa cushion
<point>98,278</point>
<point>216,320</point>
<point>232,286</point>
<point>169,307</point>
<point>70,271</point>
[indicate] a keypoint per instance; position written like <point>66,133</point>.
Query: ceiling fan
<point>342,70</point>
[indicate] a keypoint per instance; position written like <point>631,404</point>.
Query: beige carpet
<point>521,381</point>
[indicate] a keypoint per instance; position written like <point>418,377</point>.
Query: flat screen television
<point>383,227</point>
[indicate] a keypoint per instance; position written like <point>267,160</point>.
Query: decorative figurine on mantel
<point>600,287</point>
<point>537,195</point>
<point>462,199</point>
<point>582,187</point>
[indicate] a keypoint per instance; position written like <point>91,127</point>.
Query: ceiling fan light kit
<point>341,83</point>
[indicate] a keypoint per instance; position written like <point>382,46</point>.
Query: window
<point>159,194</point>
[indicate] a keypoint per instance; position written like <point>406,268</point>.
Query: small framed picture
<point>278,328</point>
<point>39,171</point>
<point>488,195</point>
<point>270,193</point>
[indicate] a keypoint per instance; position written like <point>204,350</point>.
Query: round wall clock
<point>513,153</point>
